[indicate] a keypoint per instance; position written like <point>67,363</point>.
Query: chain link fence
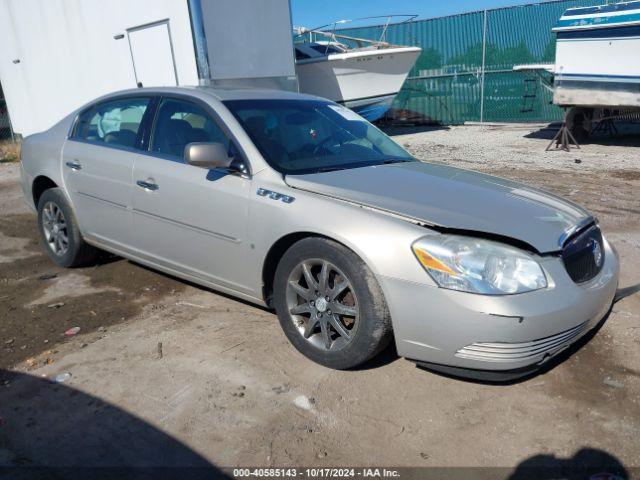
<point>5,123</point>
<point>465,72</point>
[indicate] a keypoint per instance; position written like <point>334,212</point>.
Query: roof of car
<point>225,93</point>
<point>254,94</point>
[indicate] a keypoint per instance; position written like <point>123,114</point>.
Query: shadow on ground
<point>50,430</point>
<point>628,135</point>
<point>386,357</point>
<point>393,130</point>
<point>587,463</point>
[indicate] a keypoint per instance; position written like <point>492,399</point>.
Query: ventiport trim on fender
<point>275,195</point>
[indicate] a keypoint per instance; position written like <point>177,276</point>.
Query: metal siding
<point>69,53</point>
<point>445,84</point>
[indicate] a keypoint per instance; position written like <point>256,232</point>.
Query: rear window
<point>115,122</point>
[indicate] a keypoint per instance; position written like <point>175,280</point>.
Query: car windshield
<point>310,136</point>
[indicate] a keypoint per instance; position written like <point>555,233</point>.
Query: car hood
<point>449,197</point>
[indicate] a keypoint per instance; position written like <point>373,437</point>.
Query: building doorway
<point>152,55</point>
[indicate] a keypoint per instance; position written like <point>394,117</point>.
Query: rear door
<point>152,55</point>
<point>98,165</point>
<point>186,218</point>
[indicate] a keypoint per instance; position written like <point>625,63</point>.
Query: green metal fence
<point>465,71</point>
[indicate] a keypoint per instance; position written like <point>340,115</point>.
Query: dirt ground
<point>167,373</point>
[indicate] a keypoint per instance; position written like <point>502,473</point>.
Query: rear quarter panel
<point>41,156</point>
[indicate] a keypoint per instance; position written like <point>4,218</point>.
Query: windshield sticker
<point>346,113</point>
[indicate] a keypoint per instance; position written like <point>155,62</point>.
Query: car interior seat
<point>257,126</point>
<point>126,138</point>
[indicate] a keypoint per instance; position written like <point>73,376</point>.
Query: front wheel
<point>330,305</point>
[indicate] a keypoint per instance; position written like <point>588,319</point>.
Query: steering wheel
<point>320,145</point>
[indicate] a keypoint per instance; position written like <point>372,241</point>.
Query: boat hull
<point>364,81</point>
<point>371,108</point>
<point>596,60</point>
<point>598,71</point>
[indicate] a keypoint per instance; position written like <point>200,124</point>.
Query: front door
<point>152,55</point>
<point>186,218</point>
<point>97,168</point>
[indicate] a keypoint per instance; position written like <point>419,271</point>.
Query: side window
<point>179,123</point>
<point>116,122</point>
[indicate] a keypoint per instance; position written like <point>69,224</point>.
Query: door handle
<point>147,185</point>
<point>74,165</point>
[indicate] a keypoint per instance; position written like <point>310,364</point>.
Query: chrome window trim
<point>160,96</point>
<point>147,153</point>
<point>71,134</point>
<point>214,116</point>
<point>107,145</point>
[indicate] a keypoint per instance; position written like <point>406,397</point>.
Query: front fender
<point>383,242</point>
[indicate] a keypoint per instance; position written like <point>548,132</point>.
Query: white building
<point>56,55</point>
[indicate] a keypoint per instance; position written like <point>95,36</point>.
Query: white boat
<point>364,75</point>
<point>598,56</point>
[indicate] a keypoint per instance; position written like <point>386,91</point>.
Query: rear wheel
<point>330,305</point>
<point>59,231</point>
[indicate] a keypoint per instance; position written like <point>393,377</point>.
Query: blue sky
<point>313,13</point>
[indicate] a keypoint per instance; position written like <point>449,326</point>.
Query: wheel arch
<point>278,249</point>
<point>41,184</point>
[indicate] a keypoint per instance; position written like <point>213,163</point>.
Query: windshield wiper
<point>336,168</point>
<point>332,169</point>
<point>395,160</point>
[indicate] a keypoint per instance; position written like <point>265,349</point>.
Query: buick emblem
<point>597,253</point>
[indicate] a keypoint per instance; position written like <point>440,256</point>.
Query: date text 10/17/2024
<point>315,473</point>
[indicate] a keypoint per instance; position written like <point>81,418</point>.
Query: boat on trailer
<point>362,74</point>
<point>598,56</point>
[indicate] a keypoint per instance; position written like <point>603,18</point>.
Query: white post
<point>484,60</point>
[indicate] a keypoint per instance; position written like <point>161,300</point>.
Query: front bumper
<point>456,331</point>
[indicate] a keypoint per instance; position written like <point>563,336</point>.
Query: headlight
<point>478,266</point>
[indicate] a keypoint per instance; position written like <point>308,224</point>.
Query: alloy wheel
<point>55,230</point>
<point>322,304</point>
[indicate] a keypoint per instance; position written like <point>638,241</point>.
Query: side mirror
<point>207,155</point>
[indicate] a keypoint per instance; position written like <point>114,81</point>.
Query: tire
<point>353,326</point>
<point>70,249</point>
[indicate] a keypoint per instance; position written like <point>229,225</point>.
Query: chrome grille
<point>509,352</point>
<point>583,255</point>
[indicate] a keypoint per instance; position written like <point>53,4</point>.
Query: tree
<point>549,54</point>
<point>510,56</point>
<point>429,59</point>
